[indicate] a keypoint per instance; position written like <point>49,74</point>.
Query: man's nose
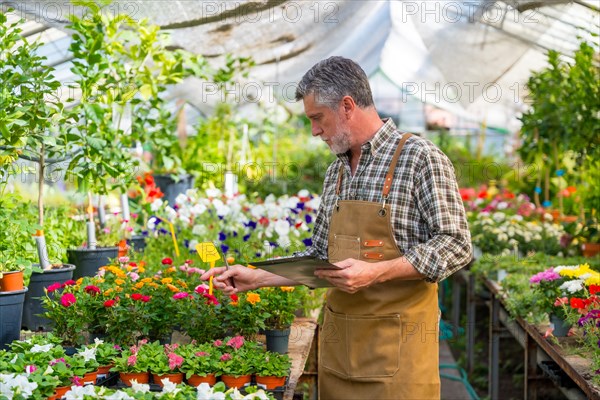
<point>316,129</point>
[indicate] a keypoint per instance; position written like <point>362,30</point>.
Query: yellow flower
<point>147,280</point>
<point>253,298</point>
<point>107,292</point>
<point>153,284</point>
<point>139,285</point>
<point>594,279</point>
<point>166,281</point>
<point>287,288</point>
<point>78,281</point>
<point>182,283</point>
<point>118,289</point>
<point>119,281</point>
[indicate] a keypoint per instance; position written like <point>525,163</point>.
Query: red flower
<point>167,261</point>
<point>180,295</point>
<point>132,264</point>
<point>91,289</point>
<point>577,303</point>
<point>136,296</point>
<point>70,282</point>
<point>109,303</point>
<point>145,298</point>
<point>594,289</point>
<point>68,299</point>
<point>54,286</point>
<point>211,299</point>
<point>234,298</point>
<point>149,179</point>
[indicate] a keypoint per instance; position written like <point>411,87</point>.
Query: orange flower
<point>107,292</point>
<point>253,298</point>
<point>146,280</point>
<point>119,281</point>
<point>172,288</point>
<point>78,281</point>
<point>118,289</point>
<point>139,285</point>
<point>182,283</point>
<point>287,288</point>
<point>166,281</point>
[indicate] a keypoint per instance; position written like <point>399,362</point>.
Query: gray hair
<point>332,79</point>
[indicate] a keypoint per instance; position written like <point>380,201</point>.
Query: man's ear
<point>348,105</point>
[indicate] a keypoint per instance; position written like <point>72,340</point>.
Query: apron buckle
<point>382,212</point>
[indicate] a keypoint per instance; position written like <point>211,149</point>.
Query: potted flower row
<point>233,360</point>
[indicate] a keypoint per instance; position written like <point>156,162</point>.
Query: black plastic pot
<point>172,188</point>
<point>138,242</point>
<point>277,340</point>
<point>87,262</point>
<point>11,310</point>
<point>32,308</point>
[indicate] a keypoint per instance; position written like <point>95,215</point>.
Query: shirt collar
<point>382,136</point>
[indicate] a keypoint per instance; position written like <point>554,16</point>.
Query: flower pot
<point>87,261</point>
<point>172,188</point>
<point>140,377</point>
<point>104,370</point>
<point>590,249</point>
<point>33,303</point>
<point>11,281</point>
<point>236,381</point>
<point>271,382</point>
<point>60,391</point>
<point>196,380</point>
<point>175,378</point>
<point>11,311</point>
<point>561,327</point>
<point>138,242</point>
<point>277,340</point>
<point>90,378</point>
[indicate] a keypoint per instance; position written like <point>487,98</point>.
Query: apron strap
<point>387,185</point>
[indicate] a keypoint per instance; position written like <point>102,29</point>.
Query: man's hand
<point>224,279</point>
<point>353,276</point>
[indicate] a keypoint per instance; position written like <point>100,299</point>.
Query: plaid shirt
<point>427,212</point>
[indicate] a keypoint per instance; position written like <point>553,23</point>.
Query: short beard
<point>340,143</point>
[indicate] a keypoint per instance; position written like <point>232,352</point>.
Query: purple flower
<point>547,275</point>
<point>300,206</point>
<point>251,224</point>
<point>222,236</point>
<point>308,219</point>
<point>246,237</point>
<point>224,248</point>
<point>307,242</point>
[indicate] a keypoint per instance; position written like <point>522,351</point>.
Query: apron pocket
<point>343,247</point>
<point>361,347</point>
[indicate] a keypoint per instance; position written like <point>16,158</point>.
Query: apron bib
<point>381,342</point>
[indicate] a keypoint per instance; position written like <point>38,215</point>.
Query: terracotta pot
<point>175,378</point>
<point>196,380</point>
<point>271,382</point>
<point>60,391</point>
<point>590,249</point>
<point>11,281</point>
<point>236,381</point>
<point>90,377</point>
<point>105,369</point>
<point>140,377</point>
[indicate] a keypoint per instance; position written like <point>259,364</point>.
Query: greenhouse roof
<point>469,58</point>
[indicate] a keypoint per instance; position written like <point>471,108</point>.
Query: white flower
<point>502,205</point>
<point>192,244</point>
<point>88,354</point>
<point>213,192</point>
<point>169,387</point>
<point>16,384</point>
<point>498,216</point>
<point>152,223</point>
<point>171,213</point>
<point>314,203</point>
<point>282,227</point>
<point>205,392</point>
<point>236,395</point>
<point>572,286</point>
<point>258,395</point>
<point>119,396</point>
<point>181,199</point>
<point>98,341</point>
<point>41,348</point>
<point>79,392</point>
<point>156,205</point>
<point>198,209</point>
<point>140,387</point>
<point>563,267</point>
<point>199,230</point>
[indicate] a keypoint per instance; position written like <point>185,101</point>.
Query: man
<point>392,219</point>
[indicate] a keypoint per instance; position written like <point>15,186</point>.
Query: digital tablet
<point>299,269</point>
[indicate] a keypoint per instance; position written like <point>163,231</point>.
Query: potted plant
<point>280,303</point>
<point>244,314</point>
<point>200,363</point>
<point>166,362</point>
<point>84,365</point>
<point>236,364</point>
<point>133,364</point>
<point>272,369</point>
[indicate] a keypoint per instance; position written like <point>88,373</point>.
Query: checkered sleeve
<point>439,203</point>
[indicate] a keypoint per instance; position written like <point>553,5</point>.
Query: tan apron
<point>382,341</point>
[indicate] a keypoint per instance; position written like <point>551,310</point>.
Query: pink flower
<point>180,295</point>
<point>560,301</point>
<point>70,282</point>
<point>30,369</point>
<point>226,357</point>
<point>91,289</point>
<point>217,343</point>
<point>131,360</point>
<point>167,261</point>
<point>201,289</point>
<point>68,299</point>
<point>123,260</point>
<point>175,361</point>
<point>236,342</point>
<point>188,262</point>
<point>56,361</point>
<point>547,275</point>
<point>201,354</point>
<point>134,276</point>
<point>77,381</point>
<point>54,286</point>
<point>211,299</point>
<point>145,298</point>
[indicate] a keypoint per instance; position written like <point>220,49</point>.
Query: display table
<point>302,333</point>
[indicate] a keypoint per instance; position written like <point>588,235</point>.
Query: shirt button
<point>352,194</point>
